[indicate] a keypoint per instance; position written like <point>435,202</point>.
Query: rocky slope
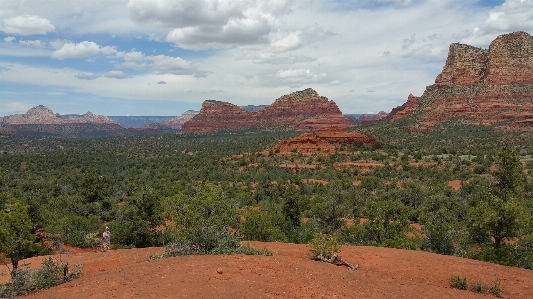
<point>300,110</point>
<point>483,87</point>
<point>178,121</point>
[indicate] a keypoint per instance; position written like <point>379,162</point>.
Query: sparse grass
<point>479,287</point>
<point>458,282</point>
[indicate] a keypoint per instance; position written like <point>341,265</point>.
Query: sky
<point>164,57</point>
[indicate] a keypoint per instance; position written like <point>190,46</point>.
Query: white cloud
<point>513,15</point>
<point>170,65</point>
<point>299,75</point>
<point>205,24</point>
<point>288,42</point>
<point>83,49</point>
<point>27,25</point>
<point>87,76</point>
<point>271,58</point>
<point>11,108</point>
<point>32,43</point>
<point>116,75</point>
<point>9,39</point>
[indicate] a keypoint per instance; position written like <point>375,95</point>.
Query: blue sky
<point>138,57</point>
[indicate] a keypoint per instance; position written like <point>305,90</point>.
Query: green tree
<point>500,214</point>
<point>16,238</point>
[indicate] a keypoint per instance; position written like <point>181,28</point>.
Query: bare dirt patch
<point>382,273</point>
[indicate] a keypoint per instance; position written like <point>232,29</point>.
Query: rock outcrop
<point>323,138</point>
<point>177,122</point>
<point>301,110</point>
<point>366,119</point>
<point>41,115</point>
<point>483,87</point>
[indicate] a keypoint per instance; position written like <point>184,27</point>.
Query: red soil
<point>382,273</point>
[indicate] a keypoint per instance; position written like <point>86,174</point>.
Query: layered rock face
<point>366,119</point>
<point>324,138</point>
<point>41,115</point>
<point>484,87</point>
<point>177,122</point>
<point>302,110</point>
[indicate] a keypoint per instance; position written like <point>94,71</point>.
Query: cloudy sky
<point>163,57</point>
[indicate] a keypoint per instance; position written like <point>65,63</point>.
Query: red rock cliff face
<point>511,59</point>
<point>466,65</point>
<point>302,110</point>
<point>483,87</point>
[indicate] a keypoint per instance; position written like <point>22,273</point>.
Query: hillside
<point>479,87</point>
<point>300,110</point>
<point>289,273</point>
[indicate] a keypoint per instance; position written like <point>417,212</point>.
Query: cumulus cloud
<point>9,39</point>
<point>299,75</point>
<point>4,69</point>
<point>170,65</point>
<point>211,23</point>
<point>116,75</point>
<point>27,25</point>
<point>289,41</point>
<point>32,43</point>
<point>161,82</point>
<point>513,15</point>
<point>87,76</point>
<point>83,49</point>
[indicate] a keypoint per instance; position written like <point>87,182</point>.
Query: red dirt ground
<point>382,273</point>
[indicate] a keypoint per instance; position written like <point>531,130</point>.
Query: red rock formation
<point>323,139</point>
<point>302,110</point>
<point>366,119</point>
<point>511,59</point>
<point>465,65</point>
<point>483,87</point>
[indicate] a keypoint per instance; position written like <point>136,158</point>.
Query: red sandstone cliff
<point>484,87</point>
<point>323,138</point>
<point>301,110</point>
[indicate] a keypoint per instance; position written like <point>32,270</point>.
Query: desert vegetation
<point>204,194</point>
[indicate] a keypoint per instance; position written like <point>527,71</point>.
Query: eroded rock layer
<point>483,87</point>
<point>301,110</point>
<point>324,138</point>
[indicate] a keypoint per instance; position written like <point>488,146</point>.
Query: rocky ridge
<point>177,122</point>
<point>41,115</point>
<point>484,87</point>
<point>300,110</point>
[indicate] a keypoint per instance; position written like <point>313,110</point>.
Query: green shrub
<point>458,282</point>
<point>324,246</point>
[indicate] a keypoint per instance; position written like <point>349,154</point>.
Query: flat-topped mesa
<point>465,65</point>
<point>302,110</point>
<point>323,138</point>
<point>511,59</point>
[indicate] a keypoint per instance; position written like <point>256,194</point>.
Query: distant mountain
<point>139,121</point>
<point>300,110</point>
<point>177,122</point>
<point>42,115</point>
<point>41,121</point>
<point>367,118</point>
